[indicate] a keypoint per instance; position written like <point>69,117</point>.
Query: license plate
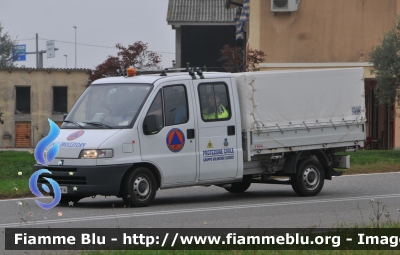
<point>64,189</point>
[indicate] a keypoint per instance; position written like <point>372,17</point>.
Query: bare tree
<point>234,61</point>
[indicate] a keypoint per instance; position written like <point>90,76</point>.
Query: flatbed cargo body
<point>286,111</point>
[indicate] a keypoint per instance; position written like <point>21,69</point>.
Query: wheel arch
<point>154,170</point>
<point>293,163</point>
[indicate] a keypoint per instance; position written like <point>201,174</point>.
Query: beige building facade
<point>329,34</point>
<point>29,97</point>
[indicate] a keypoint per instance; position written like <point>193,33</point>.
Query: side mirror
<point>150,124</point>
<point>65,115</point>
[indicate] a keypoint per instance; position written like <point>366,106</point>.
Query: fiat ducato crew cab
<point>130,136</point>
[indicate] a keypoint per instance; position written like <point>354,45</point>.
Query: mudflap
<point>331,172</point>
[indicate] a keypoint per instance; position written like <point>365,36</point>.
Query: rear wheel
<point>309,179</point>
<point>140,188</point>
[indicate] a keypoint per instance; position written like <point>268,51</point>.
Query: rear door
<point>217,148</point>
<point>173,147</point>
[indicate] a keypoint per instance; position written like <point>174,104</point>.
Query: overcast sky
<point>99,23</point>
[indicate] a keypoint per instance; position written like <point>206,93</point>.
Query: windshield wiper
<point>100,124</point>
<point>73,122</point>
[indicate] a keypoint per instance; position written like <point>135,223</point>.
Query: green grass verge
<point>373,161</point>
<point>367,157</point>
<point>15,169</point>
<point>17,166</point>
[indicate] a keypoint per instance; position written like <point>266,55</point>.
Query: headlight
<point>91,154</point>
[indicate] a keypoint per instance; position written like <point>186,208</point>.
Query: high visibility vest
<point>221,111</point>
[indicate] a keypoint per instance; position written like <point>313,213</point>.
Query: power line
<point>26,39</point>
<point>99,46</point>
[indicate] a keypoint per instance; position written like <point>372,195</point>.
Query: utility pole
<point>37,51</point>
<point>75,46</point>
<point>39,56</point>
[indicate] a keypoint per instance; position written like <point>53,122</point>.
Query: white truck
<point>129,136</point>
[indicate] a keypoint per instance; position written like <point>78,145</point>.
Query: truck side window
<point>214,102</point>
<point>157,110</point>
<point>175,103</point>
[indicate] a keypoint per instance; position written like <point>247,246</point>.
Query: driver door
<point>172,148</point>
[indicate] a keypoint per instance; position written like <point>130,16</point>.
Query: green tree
<point>6,49</point>
<point>386,66</point>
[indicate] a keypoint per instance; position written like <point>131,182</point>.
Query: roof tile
<point>205,11</point>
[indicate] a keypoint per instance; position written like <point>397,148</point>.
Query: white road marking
<point>23,198</point>
<point>170,212</point>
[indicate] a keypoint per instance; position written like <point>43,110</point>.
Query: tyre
<point>239,187</point>
<point>140,188</point>
<point>65,199</point>
<point>309,179</point>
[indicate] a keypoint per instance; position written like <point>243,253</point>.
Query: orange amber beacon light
<point>131,71</point>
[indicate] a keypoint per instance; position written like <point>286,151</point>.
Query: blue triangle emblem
<point>175,140</point>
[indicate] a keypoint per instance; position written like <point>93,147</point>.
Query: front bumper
<point>83,181</point>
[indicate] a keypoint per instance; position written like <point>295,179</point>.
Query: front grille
<point>63,180</point>
<point>60,169</point>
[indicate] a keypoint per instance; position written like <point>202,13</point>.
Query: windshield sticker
<point>175,140</point>
<point>218,155</point>
<point>75,135</point>
<point>123,123</point>
<point>113,90</point>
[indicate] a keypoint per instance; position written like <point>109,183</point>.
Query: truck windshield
<point>107,106</point>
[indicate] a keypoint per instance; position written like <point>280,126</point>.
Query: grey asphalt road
<point>344,201</point>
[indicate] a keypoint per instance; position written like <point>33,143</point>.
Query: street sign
<point>50,48</point>
<point>19,52</point>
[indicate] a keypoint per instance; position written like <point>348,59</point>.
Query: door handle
<point>190,133</point>
<point>231,130</point>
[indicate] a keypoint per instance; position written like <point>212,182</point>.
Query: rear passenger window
<point>214,102</point>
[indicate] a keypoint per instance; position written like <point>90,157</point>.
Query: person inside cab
<point>118,106</point>
<point>215,109</point>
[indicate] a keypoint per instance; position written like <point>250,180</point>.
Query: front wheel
<point>309,179</point>
<point>140,188</point>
